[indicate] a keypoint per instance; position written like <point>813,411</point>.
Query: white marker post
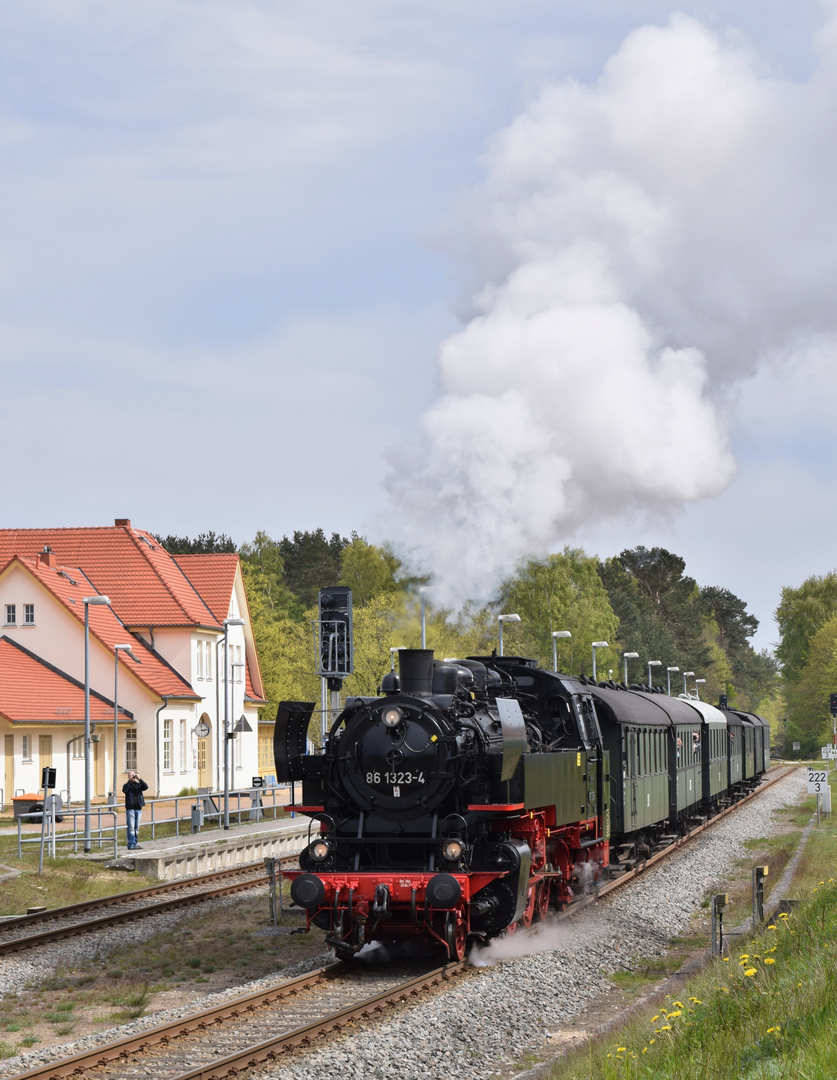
<point>817,779</point>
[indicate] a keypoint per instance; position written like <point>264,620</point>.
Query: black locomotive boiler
<point>475,795</point>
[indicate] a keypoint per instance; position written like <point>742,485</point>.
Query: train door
<point>632,775</point>
<point>592,738</point>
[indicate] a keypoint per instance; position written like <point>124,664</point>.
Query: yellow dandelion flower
<point>654,1018</point>
<point>772,926</point>
<point>822,883</point>
<point>671,1015</point>
<point>744,956</point>
<point>678,1004</point>
<point>775,947</point>
<point>769,960</point>
<point>770,1031</point>
<point>695,1001</point>
<point>621,1049</point>
<point>666,1027</point>
<point>799,984</point>
<point>610,1055</point>
<point>651,1042</point>
<point>726,959</point>
<point>725,989</point>
<point>784,915</point>
<point>750,971</point>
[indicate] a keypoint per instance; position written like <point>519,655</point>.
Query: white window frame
<point>130,750</point>
<point>26,748</point>
<point>208,665</point>
<point>11,615</point>
<point>28,614</point>
<point>167,740</point>
<point>199,665</point>
<point>183,767</point>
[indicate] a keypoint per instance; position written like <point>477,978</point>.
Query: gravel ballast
<point>477,1027</point>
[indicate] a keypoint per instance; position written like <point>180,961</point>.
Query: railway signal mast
<point>335,652</point>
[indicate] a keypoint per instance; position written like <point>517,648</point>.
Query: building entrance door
<point>203,764</point>
<point>45,751</point>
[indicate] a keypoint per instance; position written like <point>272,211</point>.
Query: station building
<point>169,720</point>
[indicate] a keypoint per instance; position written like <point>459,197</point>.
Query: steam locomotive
<point>473,796</point>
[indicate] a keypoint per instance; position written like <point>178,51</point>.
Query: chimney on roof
<point>122,523</point>
<point>47,556</point>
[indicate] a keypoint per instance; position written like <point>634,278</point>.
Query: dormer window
<point>11,615</point>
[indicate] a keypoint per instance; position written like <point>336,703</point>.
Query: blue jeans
<point>132,824</point>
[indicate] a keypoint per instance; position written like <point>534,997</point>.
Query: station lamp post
<point>116,651</point>
<point>87,601</point>
<point>505,618</point>
<point>687,675</point>
<point>555,635</point>
<point>697,683</point>
<point>668,672</point>
<point>626,657</point>
<point>652,663</point>
<point>597,645</point>
<point>227,734</point>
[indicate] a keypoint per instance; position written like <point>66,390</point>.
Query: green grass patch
<point>769,1009</point>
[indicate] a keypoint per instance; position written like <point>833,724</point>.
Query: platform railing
<point>252,804</point>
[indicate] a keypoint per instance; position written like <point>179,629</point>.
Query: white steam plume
<point>637,248</point>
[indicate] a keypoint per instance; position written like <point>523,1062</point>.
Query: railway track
<point>251,1029</point>
<point>28,931</point>
<point>259,1027</point>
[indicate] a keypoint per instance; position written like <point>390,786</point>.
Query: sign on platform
<point>817,780</point>
<point>828,752</point>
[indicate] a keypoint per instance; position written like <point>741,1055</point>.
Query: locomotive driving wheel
<point>455,935</point>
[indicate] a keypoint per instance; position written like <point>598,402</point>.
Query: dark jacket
<point>134,799</point>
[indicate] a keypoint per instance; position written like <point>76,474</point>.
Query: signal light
<point>833,699</point>
<point>335,632</point>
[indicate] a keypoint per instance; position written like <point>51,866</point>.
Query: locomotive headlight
<point>320,850</point>
<point>392,716</point>
<point>452,850</point>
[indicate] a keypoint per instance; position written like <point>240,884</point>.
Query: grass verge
<point>767,1010</point>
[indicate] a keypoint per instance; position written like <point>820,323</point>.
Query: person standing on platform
<point>134,802</point>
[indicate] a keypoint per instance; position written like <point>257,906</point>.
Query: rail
<point>245,806</point>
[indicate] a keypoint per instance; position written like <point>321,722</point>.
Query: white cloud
<point>638,248</point>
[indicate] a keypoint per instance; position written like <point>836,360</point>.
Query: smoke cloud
<point>638,248</point>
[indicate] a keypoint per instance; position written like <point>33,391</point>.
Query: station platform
<point>214,849</point>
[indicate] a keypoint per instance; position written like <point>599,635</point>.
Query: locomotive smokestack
<point>416,669</point>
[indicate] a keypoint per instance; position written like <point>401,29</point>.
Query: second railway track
<point>28,931</point>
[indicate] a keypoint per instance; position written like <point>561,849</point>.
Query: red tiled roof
<point>214,578</point>
<point>145,583</point>
<point>32,690</point>
<point>69,587</point>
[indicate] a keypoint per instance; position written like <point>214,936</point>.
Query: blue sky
<point>234,238</point>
